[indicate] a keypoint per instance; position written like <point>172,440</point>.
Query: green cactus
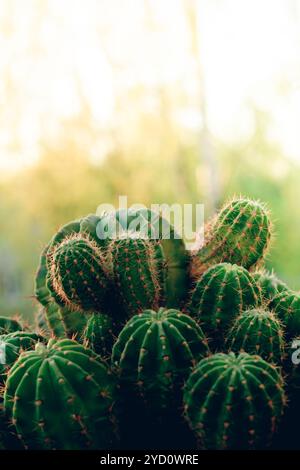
<point>257,331</point>
<point>286,306</point>
<point>78,275</point>
<point>269,283</point>
<point>98,334</point>
<point>155,352</point>
<point>65,318</point>
<point>9,325</point>
<point>64,380</point>
<point>139,272</point>
<point>239,234</point>
<point>61,321</point>
<point>234,401</point>
<point>221,294</point>
<point>149,225</point>
<point>13,344</point>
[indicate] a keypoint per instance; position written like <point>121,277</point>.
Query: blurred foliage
<point>66,184</point>
<point>149,141</point>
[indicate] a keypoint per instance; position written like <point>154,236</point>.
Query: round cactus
<point>257,331</point>
<point>78,276</point>
<point>12,344</point>
<point>149,225</point>
<point>98,334</point>
<point>139,273</point>
<point>234,401</point>
<point>9,325</point>
<point>155,352</point>
<point>62,379</point>
<point>64,315</point>
<point>286,306</point>
<point>222,293</point>
<point>239,234</point>
<point>269,283</point>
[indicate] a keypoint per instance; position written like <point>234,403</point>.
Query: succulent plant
<point>150,225</point>
<point>257,331</point>
<point>12,344</point>
<point>239,234</point>
<point>9,325</point>
<point>269,283</point>
<point>40,323</point>
<point>140,273</point>
<point>62,379</point>
<point>65,311</point>
<point>220,295</point>
<point>98,334</point>
<point>286,306</point>
<point>155,351</point>
<point>234,401</point>
<point>78,274</point>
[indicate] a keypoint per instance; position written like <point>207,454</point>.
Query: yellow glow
<point>57,53</point>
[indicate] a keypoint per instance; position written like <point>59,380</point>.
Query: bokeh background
<point>161,100</point>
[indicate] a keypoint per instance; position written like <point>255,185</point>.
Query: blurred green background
<point>164,101</point>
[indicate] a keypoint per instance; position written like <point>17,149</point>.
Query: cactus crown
<point>67,378</point>
<point>222,293</point>
<point>234,401</point>
<point>286,306</point>
<point>257,331</point>
<point>239,234</point>
<point>155,350</point>
<point>77,272</point>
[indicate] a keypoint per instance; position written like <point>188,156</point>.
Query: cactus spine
<point>258,331</point>
<point>139,273</point>
<point>222,293</point>
<point>234,401</point>
<point>155,352</point>
<point>239,234</point>
<point>269,283</point>
<point>9,325</point>
<point>286,306</point>
<point>78,273</point>
<point>98,334</point>
<point>149,225</point>
<point>63,379</point>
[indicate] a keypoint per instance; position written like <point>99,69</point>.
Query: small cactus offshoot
<point>239,234</point>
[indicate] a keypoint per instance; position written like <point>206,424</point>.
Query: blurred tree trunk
<point>206,150</point>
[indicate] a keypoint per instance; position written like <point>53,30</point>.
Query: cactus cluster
<point>139,344</point>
